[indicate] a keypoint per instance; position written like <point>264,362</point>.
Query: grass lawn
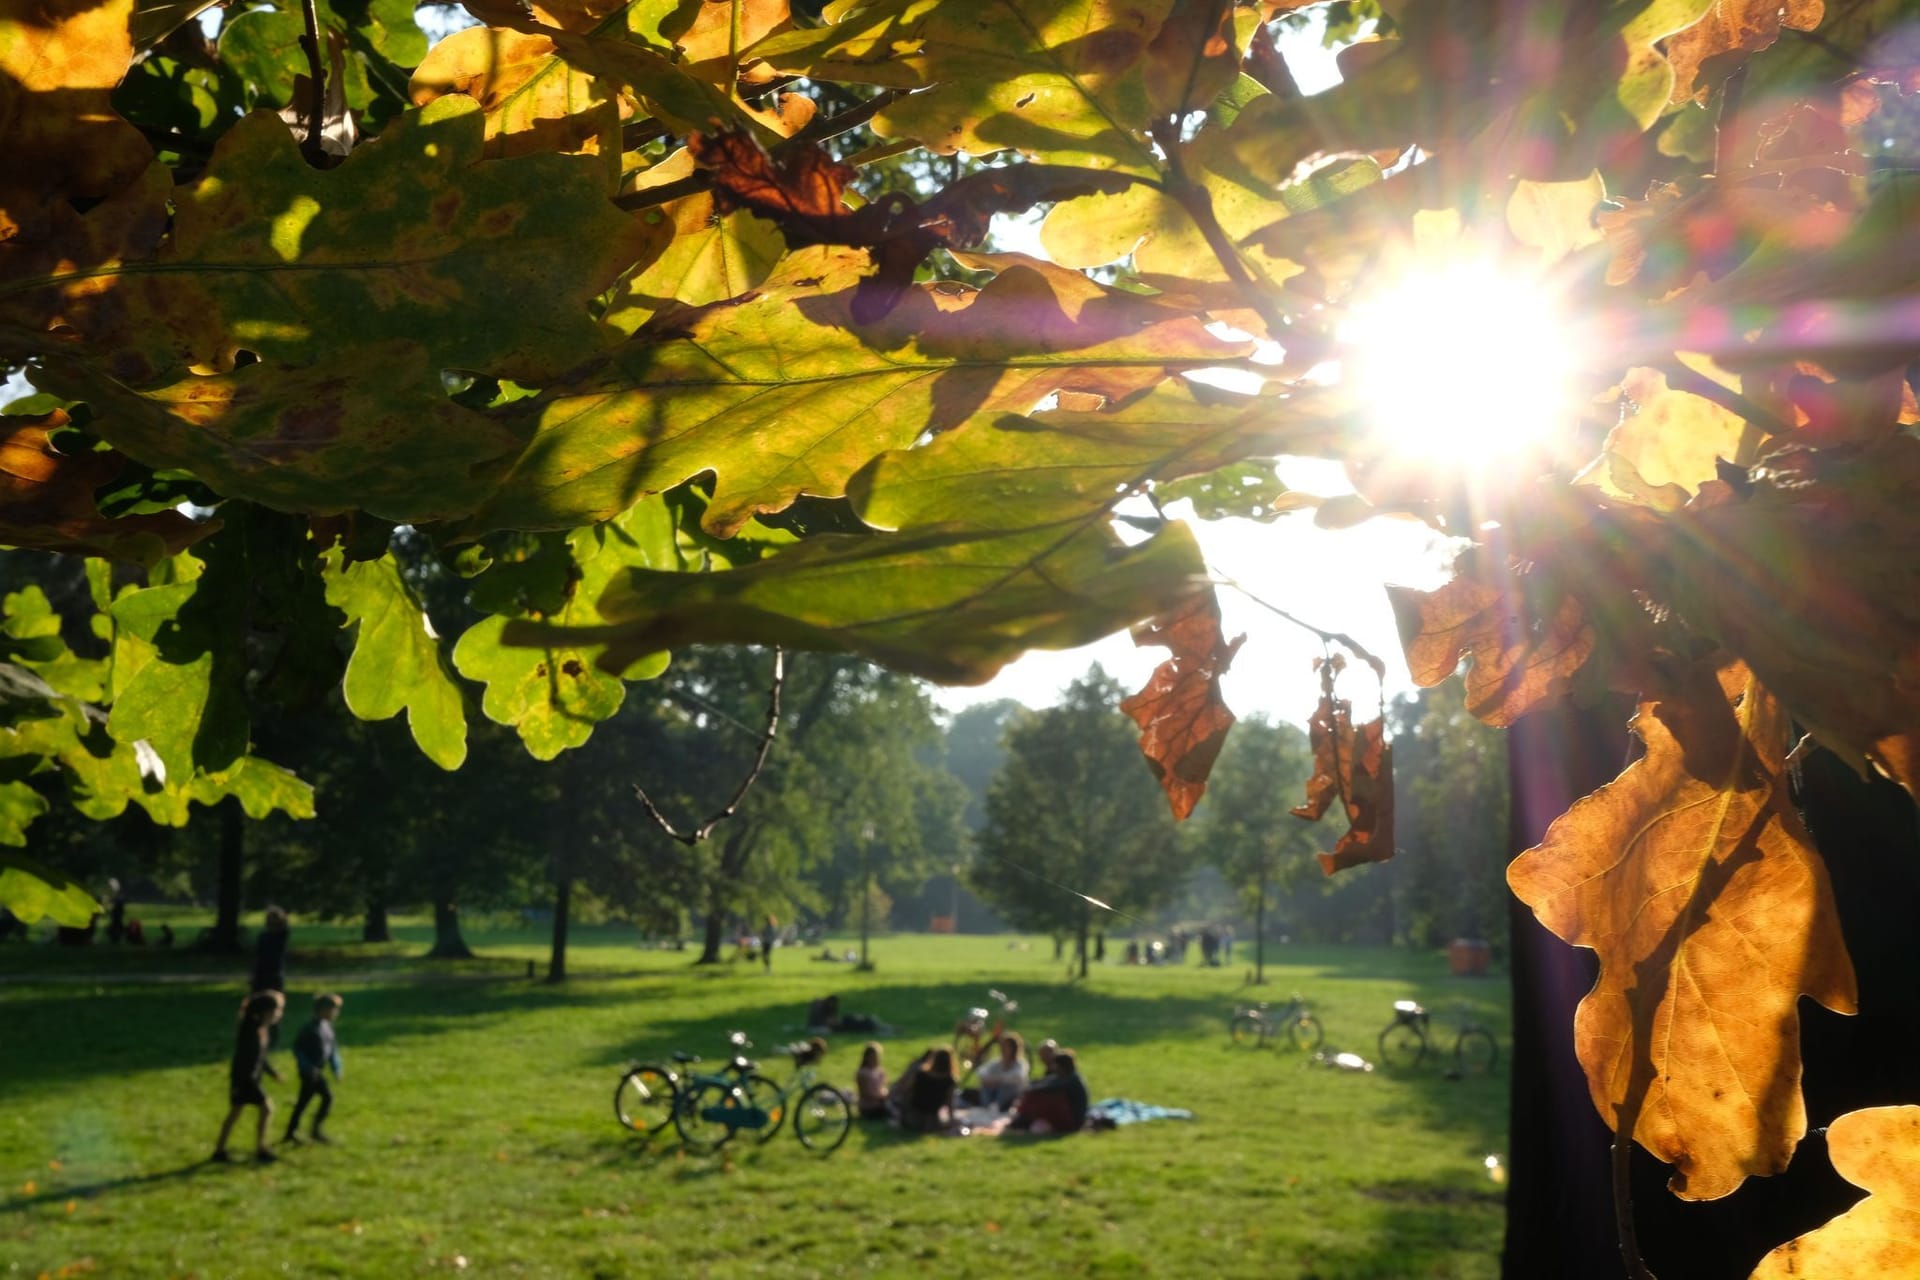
<point>478,1137</point>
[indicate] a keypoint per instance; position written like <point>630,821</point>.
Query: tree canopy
<point>678,322</point>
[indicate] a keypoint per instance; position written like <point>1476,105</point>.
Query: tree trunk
<point>1260,933</point>
<point>716,921</point>
<point>447,942</point>
<point>562,900</point>
<point>1081,941</point>
<point>376,928</point>
<point>1059,946</point>
<point>225,934</point>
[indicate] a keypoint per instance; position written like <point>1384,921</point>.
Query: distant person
<point>270,953</point>
<point>259,1014</point>
<point>870,1083</point>
<point>166,934</point>
<point>1209,947</point>
<point>136,933</point>
<point>1004,1078</point>
<point>1056,1104</point>
<point>116,913</point>
<point>315,1050</point>
<point>1226,944</point>
<point>769,934</point>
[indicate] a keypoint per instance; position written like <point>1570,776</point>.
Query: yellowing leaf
<point>1879,1149</point>
<point>1733,27</point>
<point>1675,437</point>
<point>46,500</point>
<point>1692,877</point>
<point>534,100</point>
<point>1522,653</point>
<point>1556,217</point>
<point>709,258</point>
<point>397,663</point>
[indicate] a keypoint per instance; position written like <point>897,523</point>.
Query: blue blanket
<point>1126,1111</point>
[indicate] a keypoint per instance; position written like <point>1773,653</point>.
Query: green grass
<point>477,1123</point>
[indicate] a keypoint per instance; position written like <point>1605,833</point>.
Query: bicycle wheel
<point>643,1100</point>
<point>1402,1046</point>
<point>765,1096</point>
<point>823,1119</point>
<point>700,1115</point>
<point>1245,1029</point>
<point>1307,1033</point>
<point>1475,1053</point>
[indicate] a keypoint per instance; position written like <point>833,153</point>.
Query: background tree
<point>1068,821</point>
<point>1245,824</point>
<point>1450,820</point>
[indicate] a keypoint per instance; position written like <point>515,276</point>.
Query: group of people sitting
<point>929,1095</point>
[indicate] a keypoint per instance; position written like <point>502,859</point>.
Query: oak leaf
<point>1354,766</point>
<point>1521,652</point>
<point>534,100</point>
<point>1182,717</point>
<point>1733,27</point>
<point>47,502</point>
<point>1693,878</point>
<point>1877,1148</point>
<point>397,662</point>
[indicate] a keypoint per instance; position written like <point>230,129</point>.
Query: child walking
<point>315,1050</point>
<point>259,1013</point>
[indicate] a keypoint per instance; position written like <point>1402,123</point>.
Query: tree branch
<point>1340,638</point>
<point>1681,378</point>
<point>310,146</point>
<point>705,829</point>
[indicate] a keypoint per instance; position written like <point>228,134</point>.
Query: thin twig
<point>1352,646</point>
<point>1681,378</point>
<point>705,829</point>
<point>311,147</point>
<point>847,121</point>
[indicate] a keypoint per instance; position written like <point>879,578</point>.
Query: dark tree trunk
<point>1260,933</point>
<point>562,900</point>
<point>447,942</point>
<point>1059,946</point>
<point>225,934</point>
<point>1559,1205</point>
<point>1080,944</point>
<point>716,920</point>
<point>376,928</point>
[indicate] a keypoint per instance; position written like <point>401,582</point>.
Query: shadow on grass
<point>85,1191</point>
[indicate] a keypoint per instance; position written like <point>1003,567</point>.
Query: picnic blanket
<point>1119,1111</point>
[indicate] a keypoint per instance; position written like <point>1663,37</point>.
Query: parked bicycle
<point>973,1039</point>
<point>1407,1040</point>
<point>1258,1023</point>
<point>708,1109</point>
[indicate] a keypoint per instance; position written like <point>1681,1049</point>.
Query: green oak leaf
<point>20,804</point>
<point>260,786</point>
<point>784,393</point>
<point>397,663</point>
<point>31,637</point>
<point>32,891</point>
<point>1067,79</point>
<point>553,697</point>
<point>709,258</point>
<point>1242,490</point>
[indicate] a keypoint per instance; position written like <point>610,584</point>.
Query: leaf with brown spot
<point>1182,717</point>
<point>1353,766</point>
<point>1877,1148</point>
<point>1693,879</point>
<point>1521,652</point>
<point>46,500</point>
<point>1730,29</point>
<point>534,100</point>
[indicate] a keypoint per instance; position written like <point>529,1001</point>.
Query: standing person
<point>316,1049</point>
<point>259,1013</point>
<point>1226,944</point>
<point>270,953</point>
<point>116,913</point>
<point>769,934</point>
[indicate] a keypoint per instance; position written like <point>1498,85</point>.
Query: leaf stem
<point>1681,378</point>
<point>1341,638</point>
<point>705,829</point>
<point>310,147</point>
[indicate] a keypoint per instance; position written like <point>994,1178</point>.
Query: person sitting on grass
<point>923,1096</point>
<point>870,1083</point>
<point>315,1050</point>
<point>259,1012</point>
<point>1004,1078</point>
<point>1057,1104</point>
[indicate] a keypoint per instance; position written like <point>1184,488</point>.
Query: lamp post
<point>866,890</point>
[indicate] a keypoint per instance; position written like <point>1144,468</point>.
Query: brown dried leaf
<point>1692,877</point>
<point>46,500</point>
<point>1182,717</point>
<point>1733,27</point>
<point>1522,652</point>
<point>1877,1148</point>
<point>1357,767</point>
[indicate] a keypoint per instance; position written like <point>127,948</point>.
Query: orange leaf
<point>1879,1149</point>
<point>1692,877</point>
<point>1732,27</point>
<point>1356,766</point>
<point>1521,655</point>
<point>1182,717</point>
<point>46,500</point>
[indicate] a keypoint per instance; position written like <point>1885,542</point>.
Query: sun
<point>1461,364</point>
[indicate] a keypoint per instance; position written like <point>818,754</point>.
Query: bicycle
<point>710,1109</point>
<point>1405,1041</point>
<point>972,1041</point>
<point>1261,1022</point>
<point>650,1096</point>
